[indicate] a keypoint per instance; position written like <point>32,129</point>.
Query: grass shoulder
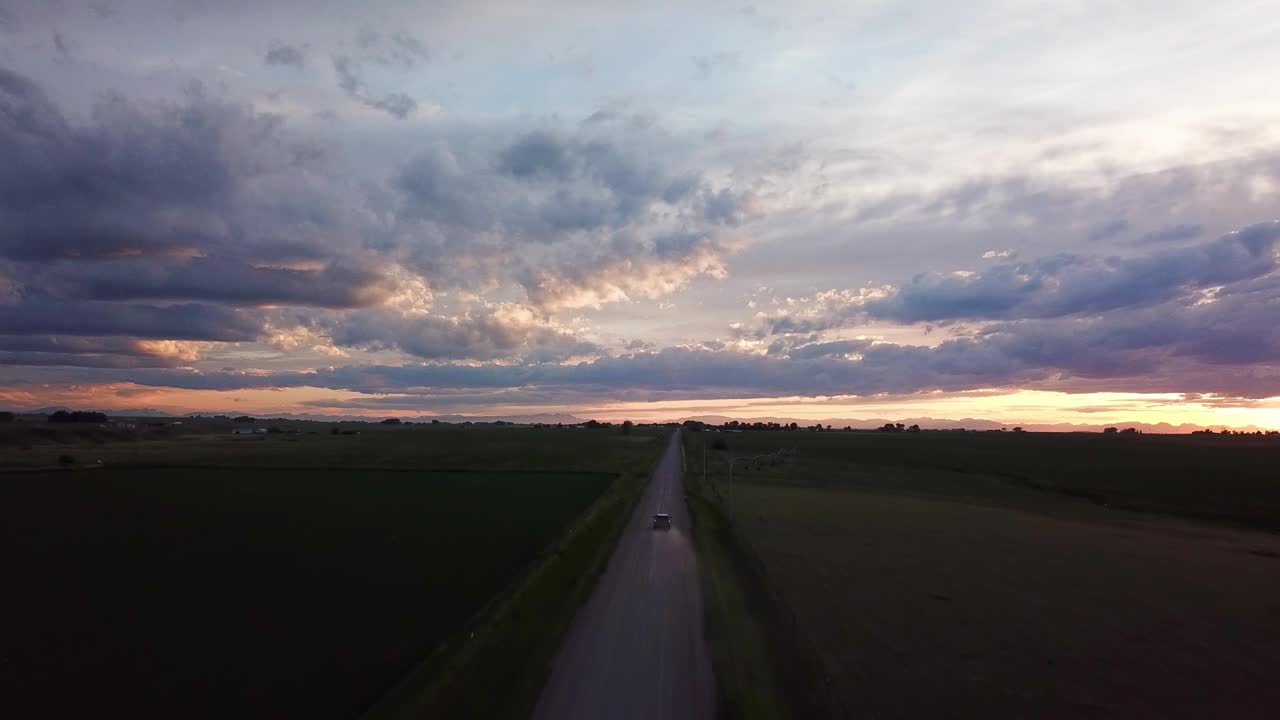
<point>761,675</point>
<point>515,639</point>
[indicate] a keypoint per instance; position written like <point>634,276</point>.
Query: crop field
<point>1002,576</point>
<point>256,582</point>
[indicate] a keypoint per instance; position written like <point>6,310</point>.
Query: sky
<point>1057,213</point>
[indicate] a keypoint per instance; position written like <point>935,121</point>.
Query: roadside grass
<point>744,648</point>
<point>515,641</point>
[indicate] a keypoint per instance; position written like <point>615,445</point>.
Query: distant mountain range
<point>927,423</point>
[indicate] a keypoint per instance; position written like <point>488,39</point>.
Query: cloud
<point>1172,233</point>
<point>1107,230</point>
<point>60,44</point>
<point>537,154</point>
<point>201,201</point>
<point>184,321</point>
<point>333,284</point>
<point>183,221</point>
<point>111,352</point>
<point>628,268</point>
<point>285,55</point>
<point>1054,286</point>
<point>576,220</point>
<point>399,49</point>
<point>1162,350</point>
<point>398,105</point>
<point>507,331</point>
<point>1223,345</point>
<point>707,65</point>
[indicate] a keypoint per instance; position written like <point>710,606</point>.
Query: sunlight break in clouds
<point>390,208</point>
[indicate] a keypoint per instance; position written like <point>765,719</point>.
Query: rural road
<point>636,648</point>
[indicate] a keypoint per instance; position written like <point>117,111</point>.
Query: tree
<point>1018,429</point>
<point>391,421</point>
<point>626,427</point>
<point>62,416</point>
<point>914,428</point>
<point>1110,431</point>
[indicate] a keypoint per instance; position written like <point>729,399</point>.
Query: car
<point>661,521</point>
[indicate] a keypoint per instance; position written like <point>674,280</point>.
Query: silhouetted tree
<point>62,416</point>
<point>914,428</point>
<point>1018,429</point>
<point>1110,431</point>
<point>391,421</point>
<point>626,427</point>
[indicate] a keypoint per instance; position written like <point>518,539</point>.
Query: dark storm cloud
<point>1221,346</point>
<point>85,360</point>
<point>61,350</point>
<point>600,210</point>
<point>479,336</point>
<point>397,105</point>
<point>207,201</point>
<point>226,281</point>
<point>285,55</point>
<point>60,44</point>
<point>1107,230</point>
<point>1172,233</point>
<point>195,201</point>
<point>399,49</point>
<point>187,321</point>
<point>536,154</point>
<point>1048,287</point>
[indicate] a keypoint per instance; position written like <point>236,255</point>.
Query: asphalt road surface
<point>636,648</point>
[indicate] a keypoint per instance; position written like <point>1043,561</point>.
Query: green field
<point>1008,576</point>
<point>253,581</point>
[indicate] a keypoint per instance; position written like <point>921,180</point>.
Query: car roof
<point>661,515</point>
